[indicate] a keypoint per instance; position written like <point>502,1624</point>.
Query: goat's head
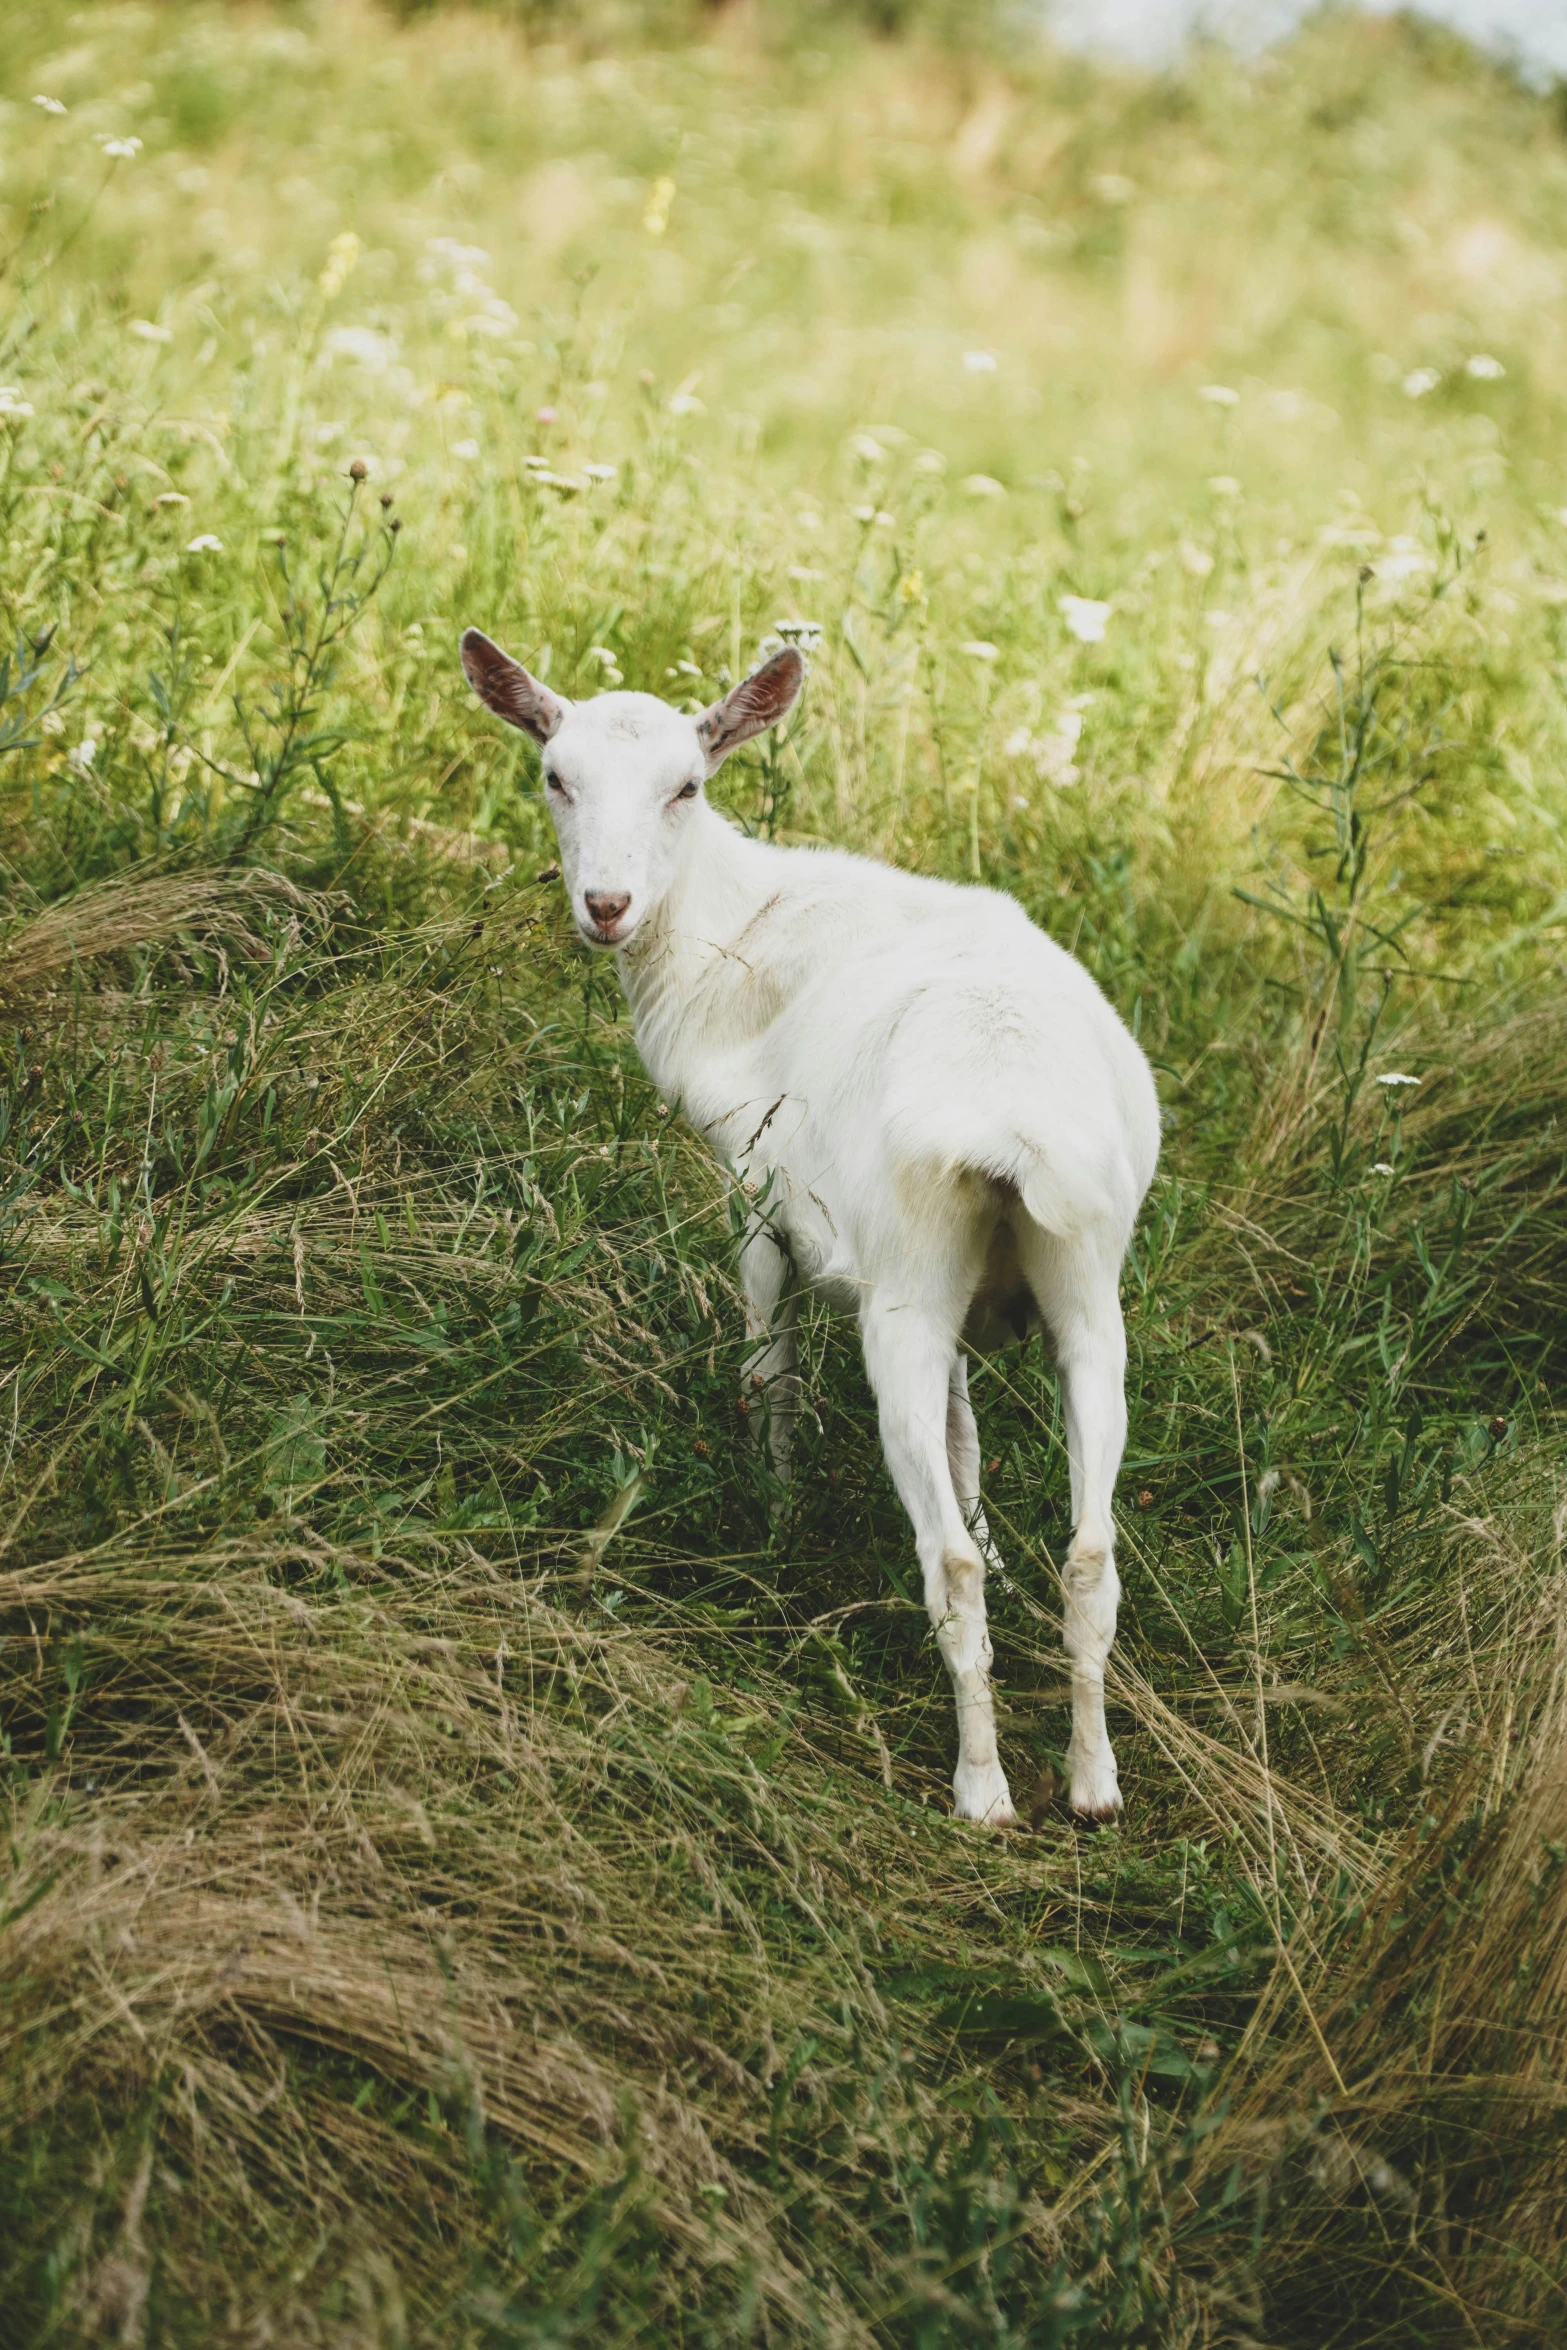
<point>623,774</point>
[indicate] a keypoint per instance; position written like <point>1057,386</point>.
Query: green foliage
<point>478,1869</point>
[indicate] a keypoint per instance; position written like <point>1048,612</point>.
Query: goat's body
<point>945,1129</point>
<point>869,1049</point>
<point>938,1121</point>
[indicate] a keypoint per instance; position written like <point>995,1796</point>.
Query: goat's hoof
<point>980,1792</point>
<point>1096,1794</point>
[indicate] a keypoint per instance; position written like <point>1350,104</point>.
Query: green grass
<point>408,1935</point>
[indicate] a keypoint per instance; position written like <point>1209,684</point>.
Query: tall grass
<point>478,1869</point>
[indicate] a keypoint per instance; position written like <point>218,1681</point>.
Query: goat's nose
<point>606,907</point>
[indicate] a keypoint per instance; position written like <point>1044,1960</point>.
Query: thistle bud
<point>358,470</point>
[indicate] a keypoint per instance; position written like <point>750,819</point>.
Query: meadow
<point>477,1862</point>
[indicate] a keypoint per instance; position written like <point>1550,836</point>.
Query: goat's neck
<point>695,992</point>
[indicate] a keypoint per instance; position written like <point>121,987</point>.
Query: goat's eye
<point>552,780</point>
<point>687,791</point>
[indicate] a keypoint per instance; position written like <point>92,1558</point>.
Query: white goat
<point>939,1121</point>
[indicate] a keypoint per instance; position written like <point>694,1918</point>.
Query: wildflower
<point>978,649</point>
<point>171,498</point>
<point>980,362</point>
<point>1484,368</point>
<point>1405,559</point>
<point>661,196</point>
<point>1219,395</point>
<point>1194,559</point>
<point>53,722</point>
<point>545,415</point>
<point>1396,1077</point>
<point>121,150</point>
<point>984,485</point>
<point>204,543</point>
<point>1086,619</point>
<point>12,402</point>
<point>930,461</point>
<point>911,587</point>
<point>868,451</point>
<point>1421,380</point>
<point>82,755</point>
<point>467,450</point>
<point>601,472</point>
<point>358,468</point>
<point>1113,187</point>
<point>145,331</point>
<point>1382,1167</point>
<point>1224,485</point>
<point>49,105</point>
<point>687,404</point>
<point>341,256</point>
<point>365,345</point>
<point>805,634</point>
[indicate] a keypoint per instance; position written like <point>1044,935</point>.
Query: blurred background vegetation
<point>477,1870</point>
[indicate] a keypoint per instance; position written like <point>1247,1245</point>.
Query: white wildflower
<point>12,402</point>
<point>49,105</point>
<point>205,542</point>
<point>366,346</point>
<point>467,450</point>
<point>1194,559</point>
<point>1113,187</point>
<point>601,472</point>
<point>980,362</point>
<point>687,404</point>
<point>146,332</point>
<point>171,498</point>
<point>1405,559</point>
<point>930,461</point>
<point>1085,617</point>
<point>603,653</point>
<point>868,451</point>
<point>1219,395</point>
<point>978,649</point>
<point>1394,1077</point>
<point>121,150</point>
<point>82,755</point>
<point>984,485</point>
<point>1224,485</point>
<point>806,634</point>
<point>1484,368</point>
<point>1382,1167</point>
<point>1421,380</point>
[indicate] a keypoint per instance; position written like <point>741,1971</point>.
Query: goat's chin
<point>607,940</point>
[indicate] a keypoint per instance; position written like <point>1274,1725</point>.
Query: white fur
<point>941,1125</point>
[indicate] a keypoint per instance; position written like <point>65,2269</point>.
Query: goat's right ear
<point>504,686</point>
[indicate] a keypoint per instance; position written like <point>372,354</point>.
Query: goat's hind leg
<point>910,1354</point>
<point>1076,1284</point>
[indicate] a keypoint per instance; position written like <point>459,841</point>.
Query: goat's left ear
<point>761,700</point>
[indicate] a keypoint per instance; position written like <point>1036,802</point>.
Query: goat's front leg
<point>771,1372</point>
<point>910,1356</point>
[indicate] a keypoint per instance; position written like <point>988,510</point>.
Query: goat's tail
<point>1068,1181</point>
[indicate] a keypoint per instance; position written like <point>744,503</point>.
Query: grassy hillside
<point>477,1873</point>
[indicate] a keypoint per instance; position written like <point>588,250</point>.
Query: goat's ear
<point>761,700</point>
<point>505,687</point>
